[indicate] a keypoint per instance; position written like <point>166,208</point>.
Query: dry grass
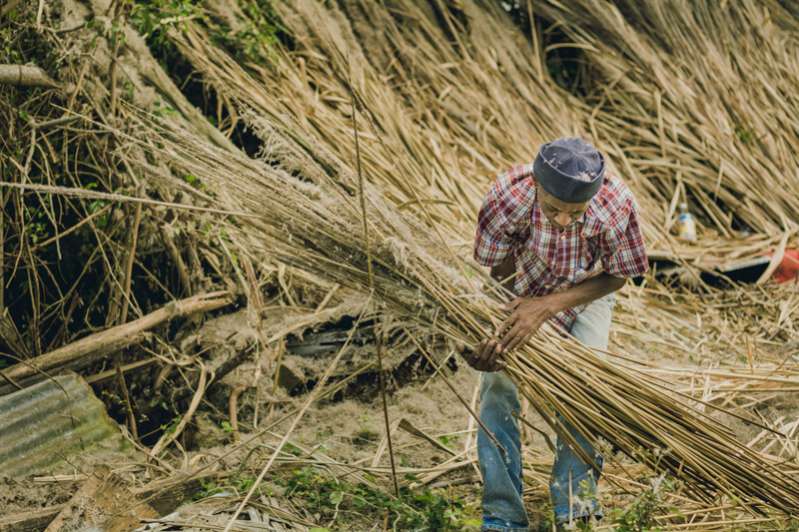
<point>424,186</point>
<point>446,96</point>
<point>314,227</point>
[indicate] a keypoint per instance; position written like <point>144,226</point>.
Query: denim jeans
<point>573,482</point>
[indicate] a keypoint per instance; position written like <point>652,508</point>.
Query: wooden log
<point>90,348</point>
<point>25,76</point>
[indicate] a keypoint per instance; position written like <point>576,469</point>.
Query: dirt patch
<point>351,430</point>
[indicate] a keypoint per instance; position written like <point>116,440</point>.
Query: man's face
<point>560,213</point>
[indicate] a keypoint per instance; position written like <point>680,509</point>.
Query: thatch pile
<point>442,97</point>
<point>492,83</point>
<point>703,100</point>
<point>409,268</point>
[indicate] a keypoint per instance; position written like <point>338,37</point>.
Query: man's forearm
<point>585,292</point>
<point>527,314</point>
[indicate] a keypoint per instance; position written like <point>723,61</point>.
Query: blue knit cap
<point>570,169</point>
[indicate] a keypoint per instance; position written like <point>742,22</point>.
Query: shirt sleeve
<point>494,238</point>
<point>624,253</point>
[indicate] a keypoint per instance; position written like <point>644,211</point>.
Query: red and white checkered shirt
<point>606,238</point>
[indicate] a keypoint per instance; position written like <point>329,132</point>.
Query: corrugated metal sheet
<point>45,424</point>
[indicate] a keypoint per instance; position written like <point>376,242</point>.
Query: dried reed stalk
<point>314,227</point>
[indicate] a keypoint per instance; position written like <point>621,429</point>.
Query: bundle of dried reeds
<point>450,103</point>
<point>445,103</point>
<point>316,227</point>
<point>702,95</point>
<point>431,163</point>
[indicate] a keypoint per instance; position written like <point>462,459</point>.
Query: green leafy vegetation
<point>154,18</point>
<point>640,515</point>
<point>744,134</point>
<point>170,427</point>
<point>414,510</point>
<point>365,437</point>
<point>239,484</point>
<point>253,41</point>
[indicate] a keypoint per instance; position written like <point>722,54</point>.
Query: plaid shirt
<point>606,238</point>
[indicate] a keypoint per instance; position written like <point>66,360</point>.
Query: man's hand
<point>486,357</point>
<point>527,314</point>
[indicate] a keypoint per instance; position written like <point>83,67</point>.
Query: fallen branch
<point>25,76</point>
<point>169,436</point>
<point>90,348</point>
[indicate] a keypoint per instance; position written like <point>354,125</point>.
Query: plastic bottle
<point>686,225</point>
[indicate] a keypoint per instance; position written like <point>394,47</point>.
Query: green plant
<point>413,510</point>
<point>154,18</point>
<point>36,224</point>
<point>208,488</point>
<point>744,134</point>
<point>96,205</point>
<point>236,483</point>
<point>546,515</point>
<point>255,41</point>
<point>365,435</point>
<point>640,515</point>
<point>171,426</point>
<point>163,110</point>
<point>447,439</point>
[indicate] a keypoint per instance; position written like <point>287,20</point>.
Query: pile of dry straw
<point>446,97</point>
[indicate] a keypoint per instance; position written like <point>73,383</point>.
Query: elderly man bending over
<point>566,235</point>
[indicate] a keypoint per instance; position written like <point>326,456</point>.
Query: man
<point>564,235</point>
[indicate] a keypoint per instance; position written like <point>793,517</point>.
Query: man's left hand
<point>527,314</point>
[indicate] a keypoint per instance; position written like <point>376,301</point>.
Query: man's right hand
<point>486,357</point>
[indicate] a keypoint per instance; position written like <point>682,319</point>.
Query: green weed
<point>640,515</point>
<point>154,18</point>
<point>413,510</point>
<point>744,134</point>
<point>235,484</point>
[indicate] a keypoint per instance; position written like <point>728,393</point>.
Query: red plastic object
<point>788,270</point>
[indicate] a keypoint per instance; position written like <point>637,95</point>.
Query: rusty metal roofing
<point>44,426</point>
